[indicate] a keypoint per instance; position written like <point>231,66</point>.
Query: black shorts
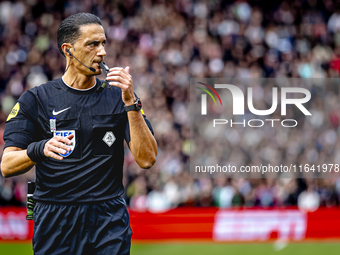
<point>79,229</point>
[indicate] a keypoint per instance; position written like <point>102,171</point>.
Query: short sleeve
<point>127,129</point>
<point>19,128</point>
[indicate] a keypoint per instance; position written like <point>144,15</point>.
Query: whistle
<point>106,69</point>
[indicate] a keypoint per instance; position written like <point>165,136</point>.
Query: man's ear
<point>66,48</point>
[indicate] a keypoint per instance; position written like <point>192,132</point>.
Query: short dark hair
<point>69,29</point>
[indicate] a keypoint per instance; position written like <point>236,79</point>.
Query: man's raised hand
<point>122,79</point>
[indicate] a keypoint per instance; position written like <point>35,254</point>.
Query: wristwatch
<point>136,106</point>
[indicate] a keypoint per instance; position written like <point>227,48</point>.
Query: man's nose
<point>101,51</point>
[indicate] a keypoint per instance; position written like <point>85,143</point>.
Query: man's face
<point>89,48</point>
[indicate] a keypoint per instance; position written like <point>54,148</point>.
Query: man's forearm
<point>15,162</point>
<point>142,145</point>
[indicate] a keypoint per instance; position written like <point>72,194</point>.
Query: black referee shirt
<point>93,171</point>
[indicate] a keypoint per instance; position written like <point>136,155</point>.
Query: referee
<point>74,136</point>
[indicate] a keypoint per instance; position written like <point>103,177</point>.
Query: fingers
<point>122,86</point>
<point>119,74</point>
<point>66,140</point>
<point>119,71</point>
<point>119,80</point>
<point>69,138</point>
<point>56,145</point>
<point>120,77</point>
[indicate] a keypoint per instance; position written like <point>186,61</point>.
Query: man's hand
<point>121,78</point>
<point>57,144</point>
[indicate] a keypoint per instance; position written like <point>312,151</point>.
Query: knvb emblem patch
<point>65,133</point>
<point>14,112</point>
<point>109,138</point>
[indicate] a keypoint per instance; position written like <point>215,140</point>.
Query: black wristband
<point>35,151</point>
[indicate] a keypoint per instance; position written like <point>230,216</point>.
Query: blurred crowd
<point>166,43</point>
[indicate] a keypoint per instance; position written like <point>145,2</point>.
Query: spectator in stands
<point>169,42</point>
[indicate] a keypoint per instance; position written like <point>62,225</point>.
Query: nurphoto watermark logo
<point>238,98</point>
<point>264,128</point>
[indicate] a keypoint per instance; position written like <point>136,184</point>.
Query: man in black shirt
<point>75,138</point>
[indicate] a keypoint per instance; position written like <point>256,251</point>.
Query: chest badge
<point>65,133</point>
<point>109,138</point>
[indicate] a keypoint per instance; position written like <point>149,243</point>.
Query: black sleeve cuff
<point>35,151</point>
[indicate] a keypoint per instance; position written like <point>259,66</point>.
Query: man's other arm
<point>143,145</point>
<point>15,162</point>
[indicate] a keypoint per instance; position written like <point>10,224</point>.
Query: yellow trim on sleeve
<point>14,111</point>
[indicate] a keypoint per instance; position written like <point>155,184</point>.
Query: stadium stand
<point>165,43</point>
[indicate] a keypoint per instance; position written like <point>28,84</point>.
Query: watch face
<point>139,103</point>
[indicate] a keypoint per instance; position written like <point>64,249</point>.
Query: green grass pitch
<point>317,248</point>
